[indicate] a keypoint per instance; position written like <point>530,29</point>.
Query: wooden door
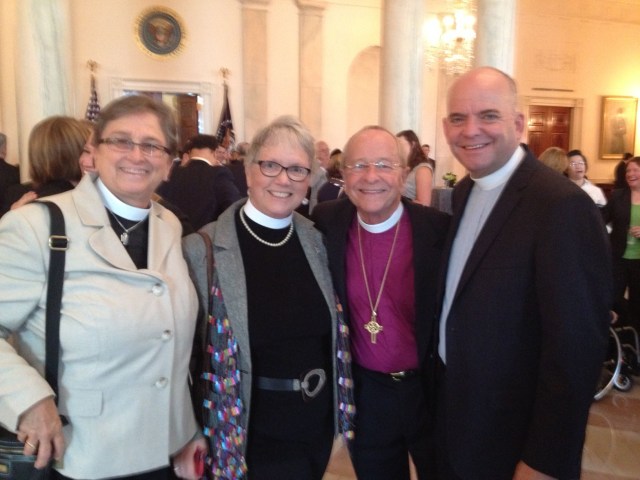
<point>548,126</point>
<point>187,116</point>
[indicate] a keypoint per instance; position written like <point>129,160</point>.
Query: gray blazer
<point>230,270</point>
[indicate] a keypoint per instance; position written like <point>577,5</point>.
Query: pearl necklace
<point>124,236</point>
<point>255,235</point>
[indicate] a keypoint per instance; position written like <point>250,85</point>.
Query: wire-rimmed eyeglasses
<point>124,145</point>
<point>296,173</point>
<point>380,166</point>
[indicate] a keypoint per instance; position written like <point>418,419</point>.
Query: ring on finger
<point>31,444</point>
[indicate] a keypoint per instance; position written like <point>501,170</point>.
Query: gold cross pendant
<point>373,327</point>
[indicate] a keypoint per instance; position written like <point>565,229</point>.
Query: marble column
<point>495,34</point>
<point>42,66</point>
<point>401,65</point>
<point>254,64</point>
<point>311,63</point>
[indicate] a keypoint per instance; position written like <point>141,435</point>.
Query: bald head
<point>483,126</point>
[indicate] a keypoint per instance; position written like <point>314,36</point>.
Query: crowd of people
<point>228,313</point>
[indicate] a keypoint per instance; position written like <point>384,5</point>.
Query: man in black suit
<point>9,174</point>
<point>523,327</point>
<point>203,188</point>
<point>384,255</point>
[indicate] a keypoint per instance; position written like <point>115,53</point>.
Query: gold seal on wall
<point>160,32</point>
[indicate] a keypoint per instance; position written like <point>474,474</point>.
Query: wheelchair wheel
<point>611,367</point>
<point>623,383</point>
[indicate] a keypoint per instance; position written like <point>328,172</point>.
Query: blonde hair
<point>555,158</point>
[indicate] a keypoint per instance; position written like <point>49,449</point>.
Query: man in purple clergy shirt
<point>384,253</point>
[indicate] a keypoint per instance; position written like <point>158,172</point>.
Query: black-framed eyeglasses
<point>269,168</point>
<point>124,145</point>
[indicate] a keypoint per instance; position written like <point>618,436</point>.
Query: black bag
<point>14,465</point>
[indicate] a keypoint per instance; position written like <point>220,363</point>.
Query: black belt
<point>295,385</point>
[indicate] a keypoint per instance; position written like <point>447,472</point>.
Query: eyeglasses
<point>124,145</point>
<point>380,166</point>
<point>576,164</point>
<point>272,169</point>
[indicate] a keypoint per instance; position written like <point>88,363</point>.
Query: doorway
<point>548,126</point>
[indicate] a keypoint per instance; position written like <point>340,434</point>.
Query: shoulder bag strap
<point>58,245</point>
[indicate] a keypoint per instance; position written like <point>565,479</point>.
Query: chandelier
<point>449,39</point>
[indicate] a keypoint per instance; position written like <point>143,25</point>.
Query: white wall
<point>588,46</point>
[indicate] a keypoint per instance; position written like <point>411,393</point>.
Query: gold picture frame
<point>618,126</point>
<point>160,32</point>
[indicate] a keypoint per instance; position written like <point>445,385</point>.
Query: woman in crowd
<point>419,181</point>
<point>556,159</point>
<point>622,213</point>
<point>55,145</point>
<point>128,312</point>
<point>577,171</point>
<point>334,186</point>
<point>271,352</point>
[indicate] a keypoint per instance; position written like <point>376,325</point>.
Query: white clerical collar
<point>202,159</point>
<point>266,221</point>
<point>386,225</point>
<point>118,207</point>
<point>503,174</point>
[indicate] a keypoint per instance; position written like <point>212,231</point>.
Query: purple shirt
<point>395,348</point>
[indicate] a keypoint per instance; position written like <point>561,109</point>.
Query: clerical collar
<point>118,207</point>
<point>386,225</point>
<point>503,174</point>
<point>266,221</point>
<point>201,158</point>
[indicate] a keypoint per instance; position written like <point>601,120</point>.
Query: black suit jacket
<point>9,175</point>
<point>527,330</point>
<point>334,218</point>
<point>617,212</point>
<point>200,191</point>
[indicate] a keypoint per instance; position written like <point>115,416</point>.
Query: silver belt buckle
<point>307,393</point>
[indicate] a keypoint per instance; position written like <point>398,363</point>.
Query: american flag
<point>93,107</point>
<point>225,135</point>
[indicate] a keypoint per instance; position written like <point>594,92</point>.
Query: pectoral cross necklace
<point>373,327</point>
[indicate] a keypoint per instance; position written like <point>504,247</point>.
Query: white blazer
<point>126,336</point>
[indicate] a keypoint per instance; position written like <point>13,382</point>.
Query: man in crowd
<point>203,188</point>
<point>9,174</point>
<point>523,326</point>
<point>384,255</point>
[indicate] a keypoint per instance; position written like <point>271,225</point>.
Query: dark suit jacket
<point>9,175</point>
<point>617,212</point>
<point>527,331</point>
<point>334,218</point>
<point>200,191</point>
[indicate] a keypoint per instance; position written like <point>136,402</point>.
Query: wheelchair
<point>623,361</point>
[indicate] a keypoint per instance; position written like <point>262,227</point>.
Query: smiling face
<point>482,126</point>
<point>633,174</point>
<point>376,194</point>
<point>279,196</point>
<point>133,176</point>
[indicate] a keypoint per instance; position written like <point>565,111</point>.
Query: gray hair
<point>283,129</point>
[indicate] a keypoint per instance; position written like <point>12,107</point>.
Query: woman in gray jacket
<point>274,358</point>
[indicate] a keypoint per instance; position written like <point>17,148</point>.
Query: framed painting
<point>618,126</point>
<point>160,32</point>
